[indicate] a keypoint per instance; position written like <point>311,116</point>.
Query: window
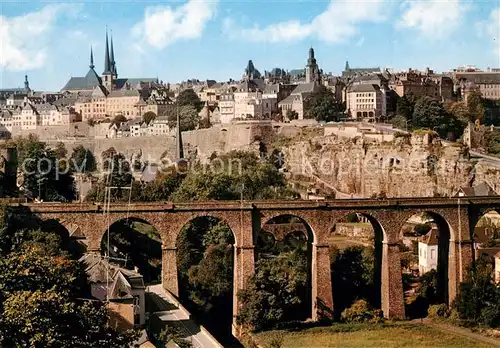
<point>433,254</point>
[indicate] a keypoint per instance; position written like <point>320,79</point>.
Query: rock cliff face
<point>420,165</point>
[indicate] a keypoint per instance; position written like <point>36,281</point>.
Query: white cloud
<point>490,29</point>
<point>24,39</point>
<point>433,18</point>
<point>337,23</point>
<point>164,25</point>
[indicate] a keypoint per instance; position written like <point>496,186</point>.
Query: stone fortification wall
<point>203,141</point>
<point>419,165</point>
<point>48,133</point>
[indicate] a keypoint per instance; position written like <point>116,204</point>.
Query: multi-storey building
<point>420,84</point>
<point>486,82</point>
<point>366,102</point>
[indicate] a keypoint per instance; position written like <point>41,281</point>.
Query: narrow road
<point>175,314</point>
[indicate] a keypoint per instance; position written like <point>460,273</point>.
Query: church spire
<point>107,69</point>
<point>179,150</point>
<point>112,58</point>
<point>347,67</point>
<point>91,66</point>
<point>26,83</point>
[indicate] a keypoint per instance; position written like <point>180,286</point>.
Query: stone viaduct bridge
<point>456,218</point>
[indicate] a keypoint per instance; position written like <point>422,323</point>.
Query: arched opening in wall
<point>284,258</point>
<point>355,245</point>
<point>486,236</point>
<point>205,264</point>
<point>134,245</point>
<point>424,249</point>
<point>69,237</point>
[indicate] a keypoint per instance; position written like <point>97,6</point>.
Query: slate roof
<point>480,78</point>
<point>120,83</point>
<point>89,82</point>
<point>124,93</point>
<point>296,72</point>
<point>364,87</point>
<point>305,88</point>
<point>431,238</point>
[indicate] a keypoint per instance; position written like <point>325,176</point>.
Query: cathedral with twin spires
<point>108,80</point>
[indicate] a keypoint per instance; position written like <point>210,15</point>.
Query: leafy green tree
<point>400,122</point>
<point>60,150</point>
<point>83,160</point>
<point>119,119</point>
<point>148,116</point>
<point>478,298</point>
<point>361,312</point>
<point>45,176</point>
<point>321,105</point>
<point>204,123</point>
<point>292,115</point>
<point>460,111</point>
<point>475,106</point>
<point>188,97</point>
<point>51,319</point>
<point>274,292</point>
<point>353,276</point>
<point>188,115</point>
<point>492,140</point>
<point>430,113</point>
<point>175,334</point>
<point>405,106</point>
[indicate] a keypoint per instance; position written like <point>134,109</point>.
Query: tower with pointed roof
<point>347,67</point>
<point>107,75</point>
<point>312,69</point>
<point>26,84</point>
<point>91,65</point>
<point>112,60</point>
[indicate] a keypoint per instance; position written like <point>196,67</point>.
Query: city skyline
<point>215,39</point>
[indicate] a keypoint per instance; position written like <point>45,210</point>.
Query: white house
<point>428,251</point>
<point>159,126</point>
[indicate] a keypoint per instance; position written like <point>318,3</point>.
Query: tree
<point>91,122</point>
<point>352,273</point>
<point>292,115</point>
<point>460,111</point>
<point>46,177</point>
<point>82,160</point>
<point>430,113</point>
<point>204,123</point>
<point>51,319</point>
<point>119,119</point>
<point>478,298</point>
<point>400,122</point>
<point>475,106</point>
<point>405,106</point>
<point>148,116</point>
<point>188,97</point>
<point>188,115</point>
<point>321,105</point>
<point>60,150</point>
<point>274,292</point>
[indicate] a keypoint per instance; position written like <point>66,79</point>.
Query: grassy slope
<point>397,335</point>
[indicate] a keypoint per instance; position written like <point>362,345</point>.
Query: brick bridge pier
<point>456,216</point>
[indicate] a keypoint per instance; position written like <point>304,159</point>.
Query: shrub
<point>361,312</point>
<point>438,311</point>
<point>276,341</point>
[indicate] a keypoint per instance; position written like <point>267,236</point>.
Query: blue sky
<point>177,40</point>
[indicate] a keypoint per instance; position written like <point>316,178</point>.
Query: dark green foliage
<point>82,160</point>
<point>148,116</point>
<point>475,106</point>
<point>225,176</point>
<point>42,291</point>
<point>46,175</point>
<point>274,293</point>
<point>188,97</point>
<point>405,106</point>
<point>139,243</point>
<point>321,105</point>
<point>188,116</point>
<point>352,277</point>
<point>292,115</point>
<point>492,140</point>
<point>118,120</point>
<point>430,113</point>
<point>478,298</point>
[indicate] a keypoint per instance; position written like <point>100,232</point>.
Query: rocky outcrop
<point>409,166</point>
